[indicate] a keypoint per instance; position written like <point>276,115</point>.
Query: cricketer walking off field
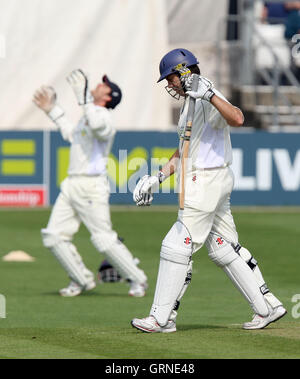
<point>84,195</point>
<point>205,217</point>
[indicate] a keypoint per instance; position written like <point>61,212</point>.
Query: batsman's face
<point>102,93</point>
<point>175,84</point>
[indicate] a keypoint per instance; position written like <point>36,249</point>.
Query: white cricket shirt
<point>91,141</point>
<point>210,144</point>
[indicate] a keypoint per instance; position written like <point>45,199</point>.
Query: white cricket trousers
<point>207,205</point>
<point>82,199</point>
<point>206,209</point>
<point>86,199</point>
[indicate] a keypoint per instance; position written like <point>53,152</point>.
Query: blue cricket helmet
<point>174,58</point>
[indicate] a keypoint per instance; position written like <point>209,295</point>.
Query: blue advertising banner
<point>266,166</point>
<point>23,165</point>
<point>21,158</point>
<point>134,154</point>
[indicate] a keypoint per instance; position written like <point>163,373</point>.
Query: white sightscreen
<point>41,41</point>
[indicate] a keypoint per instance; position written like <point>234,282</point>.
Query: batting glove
<point>185,74</point>
<point>80,84</point>
<point>205,88</point>
<point>143,193</point>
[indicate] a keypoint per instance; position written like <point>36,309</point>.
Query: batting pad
<point>173,270</point>
<point>87,273</point>
<point>222,253</point>
<point>244,280</point>
<point>170,282</point>
<point>67,256</point>
<point>252,263</point>
<point>186,284</point>
<point>120,258</point>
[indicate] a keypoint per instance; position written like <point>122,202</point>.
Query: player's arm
<point>45,99</point>
<point>231,114</point>
<point>291,5</point>
<point>99,119</point>
<point>170,168</point>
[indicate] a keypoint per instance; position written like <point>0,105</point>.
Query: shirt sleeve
<point>216,120</point>
<point>100,122</point>
<point>57,115</point>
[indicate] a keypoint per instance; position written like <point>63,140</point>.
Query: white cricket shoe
<point>137,289</point>
<point>75,289</point>
<point>259,322</point>
<point>150,325</point>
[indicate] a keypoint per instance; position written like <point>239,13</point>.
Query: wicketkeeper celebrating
<point>206,181</point>
<point>84,195</point>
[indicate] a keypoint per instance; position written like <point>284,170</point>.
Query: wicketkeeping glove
<point>143,193</point>
<point>45,98</point>
<point>205,89</point>
<point>80,84</point>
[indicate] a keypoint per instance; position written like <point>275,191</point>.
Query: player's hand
<point>45,98</point>
<point>205,88</point>
<point>143,193</point>
<point>185,74</point>
<point>78,80</point>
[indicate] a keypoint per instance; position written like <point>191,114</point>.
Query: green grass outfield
<point>41,324</point>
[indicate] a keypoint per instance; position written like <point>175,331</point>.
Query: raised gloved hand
<point>78,80</point>
<point>205,88</point>
<point>143,193</point>
<point>45,98</point>
<point>185,75</point>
